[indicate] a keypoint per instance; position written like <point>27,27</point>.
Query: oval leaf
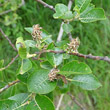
<point>62,12</point>
<point>19,98</point>
<point>46,65</point>
<point>54,59</point>
<point>30,43</point>
<point>93,15</point>
<point>67,28</point>
<point>29,29</point>
<point>26,66</point>
<point>44,103</point>
<point>75,67</point>
<point>38,82</point>
<point>86,81</point>
<point>82,4</point>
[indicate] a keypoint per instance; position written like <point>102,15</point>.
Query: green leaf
<point>29,29</point>
<point>23,77</point>
<point>67,15</point>
<point>61,44</point>
<point>64,89</point>
<point>32,106</point>
<point>30,43</point>
<point>82,4</point>
<point>20,45</point>
<point>22,52</point>
<point>20,42</point>
<point>25,66</point>
<point>93,15</point>
<point>54,59</point>
<point>15,102</point>
<point>89,8</point>
<point>46,65</point>
<point>8,105</point>
<point>86,81</point>
<point>62,12</point>
<point>75,67</point>
<point>19,98</point>
<point>44,103</point>
<point>46,37</point>
<point>67,28</point>
<point>38,82</point>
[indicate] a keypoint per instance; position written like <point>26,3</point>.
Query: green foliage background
<point>94,37</point>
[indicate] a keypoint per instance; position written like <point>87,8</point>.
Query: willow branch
<point>12,45</point>
<point>74,99</point>
<point>7,11</point>
<point>46,5</point>
<point>89,56</point>
<point>9,85</point>
<point>12,61</point>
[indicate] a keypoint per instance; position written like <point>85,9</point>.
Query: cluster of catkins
<point>36,34</point>
<point>53,74</point>
<point>73,45</point>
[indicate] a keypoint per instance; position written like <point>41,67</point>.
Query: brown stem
<point>46,5</point>
<point>9,85</point>
<point>12,61</point>
<point>89,56</point>
<point>8,39</point>
<point>74,99</point>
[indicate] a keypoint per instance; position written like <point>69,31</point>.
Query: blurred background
<point>94,37</point>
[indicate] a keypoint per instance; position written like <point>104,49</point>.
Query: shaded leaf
<point>46,37</point>
<point>25,66</point>
<point>67,28</point>
<point>54,59</point>
<point>46,65</point>
<point>61,43</point>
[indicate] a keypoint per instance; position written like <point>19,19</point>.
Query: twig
<point>60,34</point>
<point>46,5</point>
<point>12,61</point>
<point>9,85</point>
<point>8,39</point>
<point>7,11</point>
<point>74,99</point>
<point>70,36</point>
<point>59,102</point>
<point>61,29</point>
<point>89,56</point>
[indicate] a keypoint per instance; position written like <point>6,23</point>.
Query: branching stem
<point>9,85</point>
